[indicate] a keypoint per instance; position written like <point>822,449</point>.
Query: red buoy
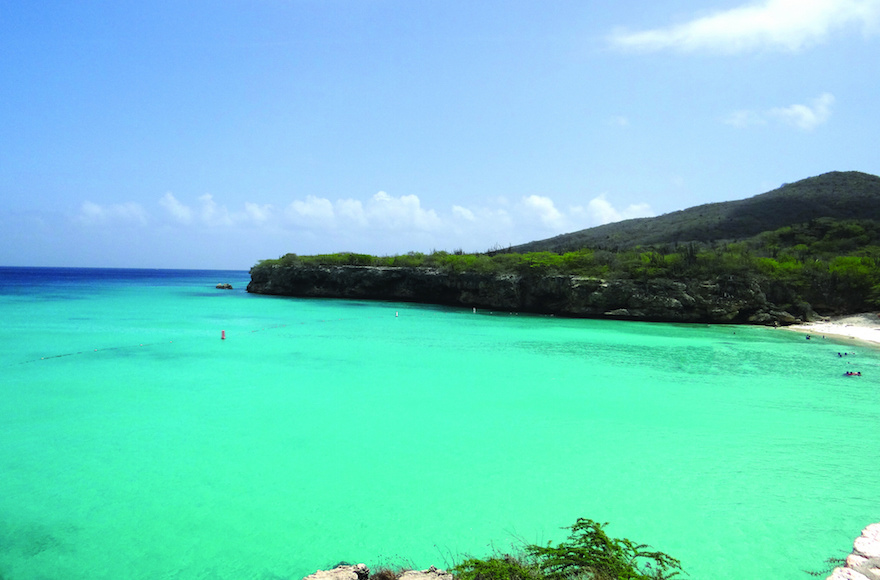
<point>222,335</point>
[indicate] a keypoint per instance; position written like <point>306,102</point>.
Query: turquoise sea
<point>135,443</point>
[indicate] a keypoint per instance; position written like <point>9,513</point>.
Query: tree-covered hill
<point>836,195</point>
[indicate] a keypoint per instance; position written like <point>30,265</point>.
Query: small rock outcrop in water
<point>726,299</point>
<point>361,572</point>
<point>864,562</point>
<point>224,286</point>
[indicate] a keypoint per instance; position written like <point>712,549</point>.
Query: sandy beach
<point>864,327</point>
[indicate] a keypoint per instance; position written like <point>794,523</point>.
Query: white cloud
<point>382,211</point>
<point>312,211</point>
<point>352,210</point>
<point>94,214</point>
<point>545,210</point>
<point>744,118</point>
<point>91,213</point>
<point>258,213</point>
<point>777,24</point>
<point>804,117</point>
<point>382,223</point>
<point>213,214</point>
<point>210,213</point>
<point>481,228</point>
<point>177,210</point>
<point>403,212</point>
<point>601,211</point>
<point>619,121</point>
<point>463,213</point>
<point>384,219</point>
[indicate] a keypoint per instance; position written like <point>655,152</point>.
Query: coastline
<point>863,327</point>
<point>720,300</point>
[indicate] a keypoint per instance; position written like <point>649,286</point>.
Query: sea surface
<point>136,443</point>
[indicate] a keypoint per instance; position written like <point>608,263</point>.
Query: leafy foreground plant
<point>588,554</point>
<point>500,567</point>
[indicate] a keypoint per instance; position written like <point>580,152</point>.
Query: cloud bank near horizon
<point>381,224</point>
<point>787,25</point>
<point>800,116</point>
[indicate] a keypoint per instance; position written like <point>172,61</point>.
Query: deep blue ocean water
<point>135,443</point>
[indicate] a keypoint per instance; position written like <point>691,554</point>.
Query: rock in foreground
<point>864,561</point>
<point>362,572</point>
<point>357,572</point>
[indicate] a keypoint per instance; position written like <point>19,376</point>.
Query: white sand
<point>865,327</point>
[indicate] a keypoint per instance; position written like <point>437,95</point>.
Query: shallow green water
<point>321,431</point>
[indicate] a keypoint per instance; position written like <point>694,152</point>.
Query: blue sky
<point>205,134</point>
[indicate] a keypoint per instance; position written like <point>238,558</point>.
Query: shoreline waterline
<point>862,328</point>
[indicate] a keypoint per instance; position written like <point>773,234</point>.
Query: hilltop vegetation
<point>838,195</point>
<point>822,249</point>
<point>831,264</point>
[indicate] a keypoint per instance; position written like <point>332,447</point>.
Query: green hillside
<point>836,195</point>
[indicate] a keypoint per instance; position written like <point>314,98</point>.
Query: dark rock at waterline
<point>726,299</point>
<point>224,286</point>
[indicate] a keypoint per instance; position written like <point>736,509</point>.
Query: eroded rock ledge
<point>727,299</point>
<point>864,561</point>
<point>362,572</point>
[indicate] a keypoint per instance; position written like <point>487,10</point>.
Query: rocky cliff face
<point>728,299</point>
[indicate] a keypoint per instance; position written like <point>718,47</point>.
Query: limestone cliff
<point>727,299</point>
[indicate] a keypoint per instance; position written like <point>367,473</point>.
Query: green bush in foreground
<point>589,554</point>
<point>505,567</point>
